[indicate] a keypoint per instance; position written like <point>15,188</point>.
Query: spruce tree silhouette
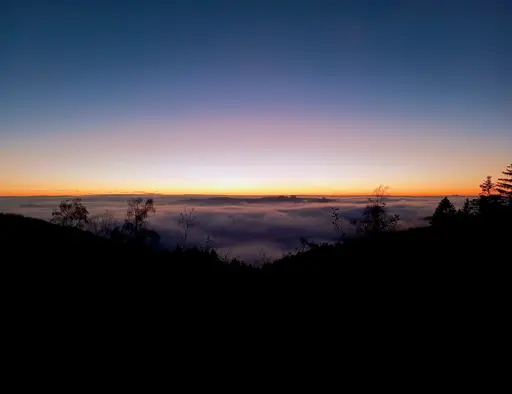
<point>487,186</point>
<point>467,213</point>
<point>504,185</point>
<point>444,213</point>
<point>468,208</point>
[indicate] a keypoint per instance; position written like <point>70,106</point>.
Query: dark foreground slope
<point>67,289</point>
<point>27,240</point>
<point>43,265</point>
<point>459,249</point>
<point>417,249</point>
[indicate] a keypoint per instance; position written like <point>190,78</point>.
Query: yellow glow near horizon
<point>241,191</point>
<point>274,156</point>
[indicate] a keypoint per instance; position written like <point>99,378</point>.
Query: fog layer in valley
<point>241,227</point>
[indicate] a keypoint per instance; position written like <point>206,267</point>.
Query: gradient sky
<point>254,97</point>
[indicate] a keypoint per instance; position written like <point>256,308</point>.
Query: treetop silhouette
<point>504,185</point>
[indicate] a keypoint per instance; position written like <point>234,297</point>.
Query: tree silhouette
<point>137,214</point>
<point>504,186</point>
<point>487,186</point>
<point>375,216</point>
<point>186,221</point>
<point>444,213</point>
<point>102,224</point>
<point>336,221</point>
<point>468,209</point>
<point>71,213</point>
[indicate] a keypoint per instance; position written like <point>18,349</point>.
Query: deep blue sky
<point>67,67</point>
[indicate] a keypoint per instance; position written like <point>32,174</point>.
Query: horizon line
<point>234,195</point>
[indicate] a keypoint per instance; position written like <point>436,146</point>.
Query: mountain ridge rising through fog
<point>234,196</point>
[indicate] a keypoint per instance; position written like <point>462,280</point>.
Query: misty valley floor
<point>266,227</point>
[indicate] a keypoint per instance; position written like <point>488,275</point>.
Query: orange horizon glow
<point>247,192</point>
<point>252,157</point>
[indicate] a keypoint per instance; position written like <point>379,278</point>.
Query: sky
<point>254,97</point>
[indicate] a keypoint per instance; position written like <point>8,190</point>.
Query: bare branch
<point>186,220</point>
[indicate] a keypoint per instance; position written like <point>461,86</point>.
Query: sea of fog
<point>247,228</point>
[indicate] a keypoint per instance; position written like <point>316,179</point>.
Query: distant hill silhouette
<point>258,200</point>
